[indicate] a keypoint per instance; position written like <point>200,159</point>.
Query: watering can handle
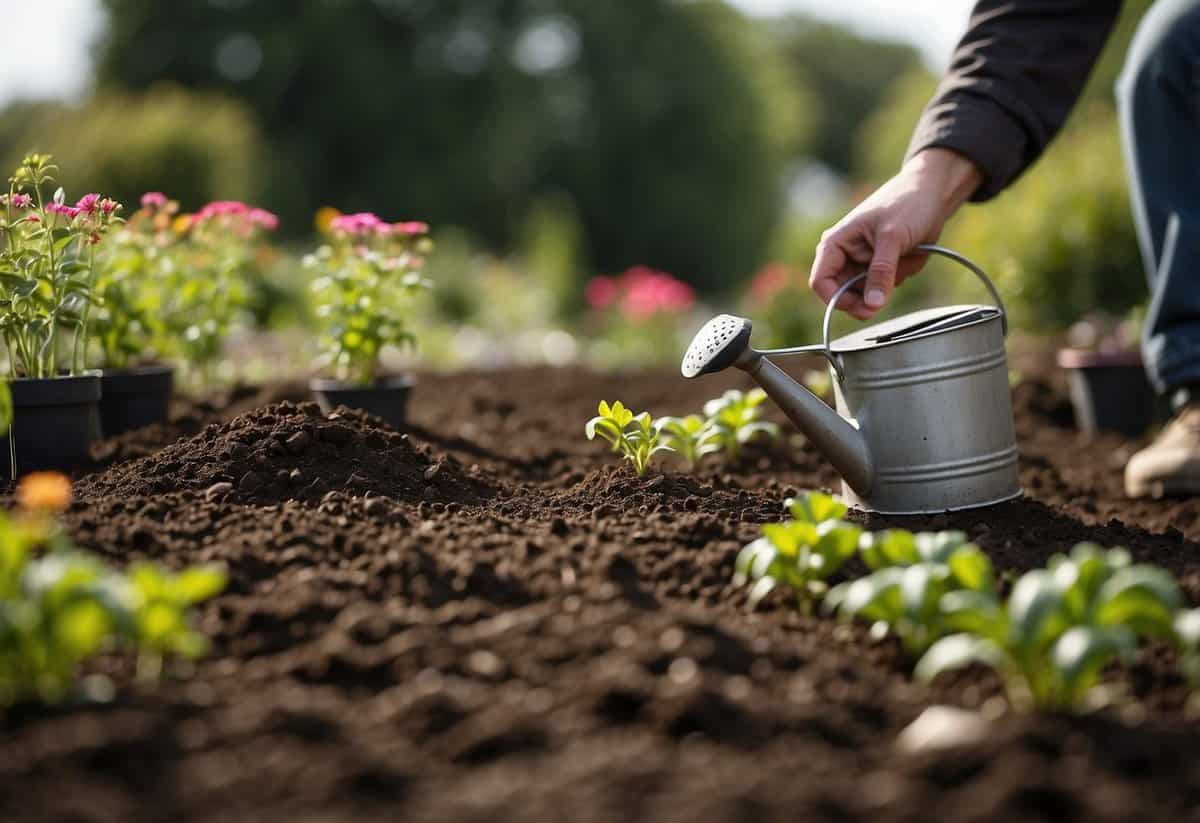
<point>925,247</point>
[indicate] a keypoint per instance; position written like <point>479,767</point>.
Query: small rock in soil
<point>943,727</point>
<point>298,442</point>
<point>217,490</point>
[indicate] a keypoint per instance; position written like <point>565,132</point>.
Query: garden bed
<point>485,618</point>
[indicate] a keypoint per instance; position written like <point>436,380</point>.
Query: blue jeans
<point>1158,97</point>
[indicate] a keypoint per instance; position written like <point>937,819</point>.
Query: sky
<point>33,65</point>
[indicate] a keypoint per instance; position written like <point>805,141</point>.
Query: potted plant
<point>135,389</point>
<point>363,283</point>
<point>210,256</point>
<point>1106,377</point>
<point>47,277</point>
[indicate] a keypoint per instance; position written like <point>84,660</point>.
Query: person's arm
<point>1013,80</point>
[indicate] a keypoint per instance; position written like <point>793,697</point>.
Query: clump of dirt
<point>291,451</point>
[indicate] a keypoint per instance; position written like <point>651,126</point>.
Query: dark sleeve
<point>1013,80</point>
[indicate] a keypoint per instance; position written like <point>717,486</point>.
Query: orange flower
<point>324,218</point>
<point>44,492</point>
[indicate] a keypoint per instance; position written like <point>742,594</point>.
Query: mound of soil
<point>291,451</point>
<point>547,636</point>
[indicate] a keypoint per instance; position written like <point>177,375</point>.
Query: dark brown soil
<point>483,618</point>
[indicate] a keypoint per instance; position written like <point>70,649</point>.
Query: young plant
<point>132,284</point>
<point>1187,639</point>
<point>47,270</point>
<point>1060,626</point>
<point>800,554</point>
<point>364,280</point>
<point>60,606</point>
<point>690,437</point>
<point>635,437</point>
<point>208,267</point>
<point>913,573</point>
<point>735,416</point>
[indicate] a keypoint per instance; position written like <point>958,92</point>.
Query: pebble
<point>218,490</point>
<point>298,442</point>
<point>432,471</point>
<point>943,727</point>
<point>376,505</point>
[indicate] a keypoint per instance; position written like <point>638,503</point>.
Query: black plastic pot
<point>54,422</point>
<point>1110,391</point>
<point>386,398</point>
<point>133,398</point>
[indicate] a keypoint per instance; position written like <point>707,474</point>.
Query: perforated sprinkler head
<point>716,346</point>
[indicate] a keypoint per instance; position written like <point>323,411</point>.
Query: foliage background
<point>551,140</point>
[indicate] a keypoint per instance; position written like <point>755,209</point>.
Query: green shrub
<point>198,147</point>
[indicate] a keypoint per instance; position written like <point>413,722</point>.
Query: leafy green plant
<point>1187,638</point>
<point>47,269</point>
<point>636,438</point>
<point>912,574</point>
<point>690,437</point>
<point>800,554</point>
<point>60,606</point>
<point>209,265</point>
<point>1060,626</point>
<point>363,284</point>
<point>735,416</point>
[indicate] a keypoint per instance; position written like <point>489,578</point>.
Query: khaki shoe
<point>1171,464</point>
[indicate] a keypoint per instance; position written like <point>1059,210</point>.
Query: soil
<point>483,618</point>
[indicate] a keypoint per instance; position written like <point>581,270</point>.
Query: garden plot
<point>485,617</point>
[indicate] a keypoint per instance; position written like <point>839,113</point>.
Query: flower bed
<point>489,618</point>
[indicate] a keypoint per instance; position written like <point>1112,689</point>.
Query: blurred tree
<point>849,75</point>
<point>666,128</point>
<point>198,147</point>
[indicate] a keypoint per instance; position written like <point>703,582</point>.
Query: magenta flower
<point>21,201</point>
<point>649,292</point>
<point>412,227</point>
<point>600,292</point>
<point>88,203</point>
<point>108,205</point>
<point>70,212</point>
<point>263,219</point>
<point>359,224</point>
<point>153,200</point>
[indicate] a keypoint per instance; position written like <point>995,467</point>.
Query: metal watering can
<point>924,416</point>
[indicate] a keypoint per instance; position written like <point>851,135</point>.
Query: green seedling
<point>816,508</point>
<point>60,607</point>
<point>800,554</point>
<point>1060,626</point>
<point>690,437</point>
<point>904,596</point>
<point>635,437</point>
<point>1187,638</point>
<point>735,416</point>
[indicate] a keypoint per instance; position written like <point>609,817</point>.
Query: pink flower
<point>264,219</point>
<point>108,205</point>
<point>222,208</point>
<point>772,279</point>
<point>412,227</point>
<point>153,200</point>
<point>21,201</point>
<point>88,203</point>
<point>600,292</point>
<point>650,292</point>
<point>358,224</point>
<point>70,212</point>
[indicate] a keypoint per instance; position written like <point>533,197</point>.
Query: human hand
<point>881,232</point>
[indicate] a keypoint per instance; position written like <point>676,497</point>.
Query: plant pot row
<point>56,419</point>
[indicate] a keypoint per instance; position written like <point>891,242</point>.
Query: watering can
<point>924,415</point>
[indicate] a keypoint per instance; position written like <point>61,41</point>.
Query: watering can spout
<point>838,439</point>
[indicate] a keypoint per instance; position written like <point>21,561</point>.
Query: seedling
<point>801,554</point>
<point>736,417</point>
<point>1060,627</point>
<point>636,438</point>
<point>913,573</point>
<point>47,270</point>
<point>364,280</point>
<point>690,437</point>
<point>60,606</point>
<point>1187,638</point>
